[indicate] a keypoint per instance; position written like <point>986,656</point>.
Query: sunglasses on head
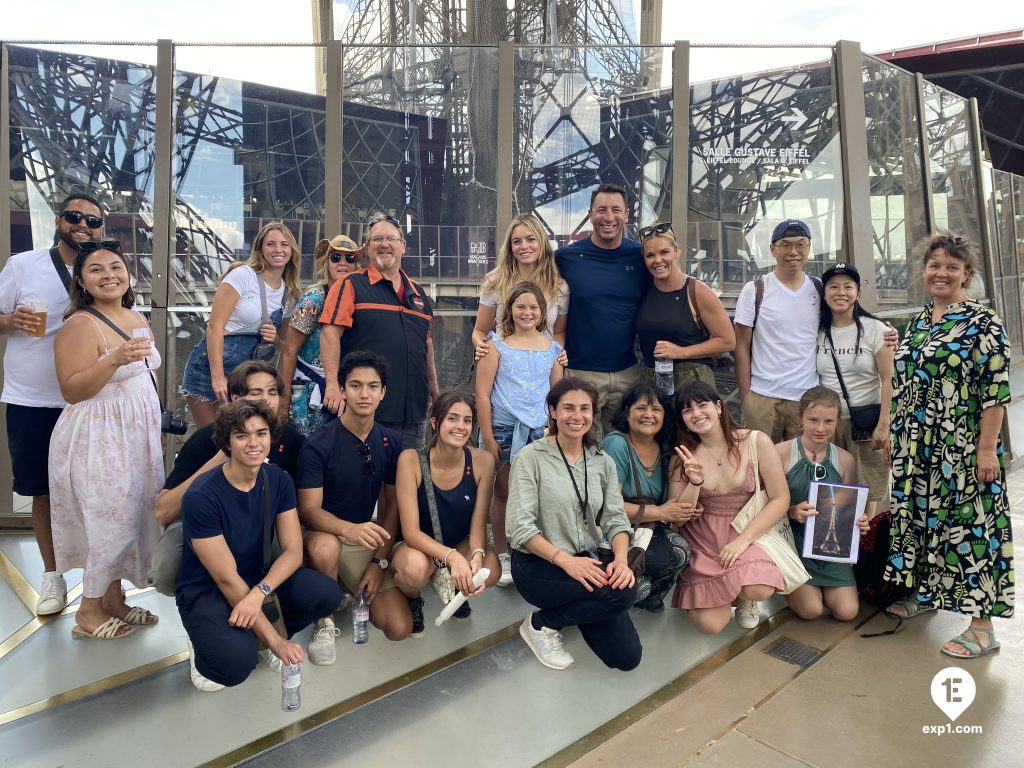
<point>336,257</point>
<point>368,466</point>
<point>655,229</point>
<point>384,217</point>
<point>75,217</point>
<point>88,246</point>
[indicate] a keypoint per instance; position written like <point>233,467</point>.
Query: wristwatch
<point>383,562</point>
<point>265,589</point>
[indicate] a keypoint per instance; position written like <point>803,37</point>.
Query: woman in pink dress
<point>106,461</point>
<point>713,465</point>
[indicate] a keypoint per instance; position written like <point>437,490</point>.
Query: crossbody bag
<point>863,418</point>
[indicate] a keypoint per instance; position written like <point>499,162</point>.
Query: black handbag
<point>264,350</point>
<point>863,418</point>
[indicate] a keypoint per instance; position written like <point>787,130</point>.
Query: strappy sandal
<point>975,650</point>
<point>108,630</point>
<point>911,606</point>
<point>140,617</point>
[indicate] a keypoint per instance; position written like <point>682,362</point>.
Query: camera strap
<point>96,313</point>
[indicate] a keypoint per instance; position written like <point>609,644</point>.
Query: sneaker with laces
<point>200,683</point>
<point>272,661</point>
<point>416,608</point>
<point>506,569</point>
<point>463,611</point>
<point>321,649</point>
<point>546,645</point>
<point>748,613</point>
<point>53,594</point>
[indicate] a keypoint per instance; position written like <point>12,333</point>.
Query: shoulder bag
<point>863,418</point>
<point>264,350</point>
<point>777,542</point>
<point>642,532</point>
<point>441,581</point>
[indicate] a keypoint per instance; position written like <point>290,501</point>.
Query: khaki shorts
<point>610,389</point>
<point>352,563</point>
<point>777,418</point>
<point>871,468</point>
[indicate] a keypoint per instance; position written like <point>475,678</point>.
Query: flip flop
<point>140,617</point>
<point>975,650</point>
<point>911,606</point>
<point>108,630</point>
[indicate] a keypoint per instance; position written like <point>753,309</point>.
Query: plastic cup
<point>39,307</point>
<point>141,333</point>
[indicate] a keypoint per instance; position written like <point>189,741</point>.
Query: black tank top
<point>666,316</point>
<point>454,507</point>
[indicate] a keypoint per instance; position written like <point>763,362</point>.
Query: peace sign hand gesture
<point>693,470</point>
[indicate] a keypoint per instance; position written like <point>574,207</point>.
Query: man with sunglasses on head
<point>252,380</point>
<point>607,279</point>
<point>40,277</point>
<point>345,469</point>
<point>380,309</point>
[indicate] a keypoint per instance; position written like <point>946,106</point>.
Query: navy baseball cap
<point>790,228</point>
<point>841,269</point>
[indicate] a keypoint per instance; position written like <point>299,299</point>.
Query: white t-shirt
<point>560,306</point>
<point>856,361</point>
<point>247,315</point>
<point>783,348</point>
<point>30,377</point>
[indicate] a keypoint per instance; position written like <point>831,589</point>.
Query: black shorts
<point>28,439</point>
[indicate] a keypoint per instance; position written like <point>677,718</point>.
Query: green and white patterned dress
<point>951,539</point>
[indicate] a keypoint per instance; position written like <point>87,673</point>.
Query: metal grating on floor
<point>791,651</point>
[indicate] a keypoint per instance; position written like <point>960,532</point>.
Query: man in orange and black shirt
<point>380,309</point>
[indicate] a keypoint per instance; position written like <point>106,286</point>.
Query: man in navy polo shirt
<point>379,308</point>
<point>607,279</point>
<point>345,468</point>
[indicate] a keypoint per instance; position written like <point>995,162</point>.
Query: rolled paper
<point>460,598</point>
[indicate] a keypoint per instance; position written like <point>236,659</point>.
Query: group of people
<point>310,483</point>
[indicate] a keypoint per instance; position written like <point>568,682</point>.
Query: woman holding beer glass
<point>106,460</point>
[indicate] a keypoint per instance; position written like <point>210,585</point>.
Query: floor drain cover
<point>791,651</point>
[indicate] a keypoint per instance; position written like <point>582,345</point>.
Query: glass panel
<point>764,147</point>
<point>954,186</point>
<point>84,120</point>
<point>1011,314</point>
<point>898,213</point>
<point>587,116</point>
<point>1003,193</point>
<point>1018,208</point>
<point>420,135</point>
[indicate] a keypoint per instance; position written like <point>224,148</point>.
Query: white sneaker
<point>546,645</point>
<point>272,661</point>
<point>53,595</point>
<point>506,569</point>
<point>321,645</point>
<point>200,683</point>
<point>748,613</point>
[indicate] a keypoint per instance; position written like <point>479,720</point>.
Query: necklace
<point>718,459</point>
<point>649,471</point>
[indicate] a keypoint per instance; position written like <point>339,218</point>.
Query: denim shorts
<point>503,437</point>
<point>197,381</point>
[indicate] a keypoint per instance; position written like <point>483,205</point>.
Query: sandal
<point>975,650</point>
<point>140,617</point>
<point>108,630</point>
<point>911,607</point>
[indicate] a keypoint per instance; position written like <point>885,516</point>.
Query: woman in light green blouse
<point>569,537</point>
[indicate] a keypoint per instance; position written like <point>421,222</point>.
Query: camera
<point>170,424</point>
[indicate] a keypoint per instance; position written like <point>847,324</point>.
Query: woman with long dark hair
<point>570,538</point>
<point>106,460</point>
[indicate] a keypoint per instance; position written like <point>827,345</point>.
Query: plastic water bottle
<point>360,618</point>
<point>663,378</point>
<point>290,680</point>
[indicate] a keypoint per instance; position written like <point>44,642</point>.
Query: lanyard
<point>584,500</point>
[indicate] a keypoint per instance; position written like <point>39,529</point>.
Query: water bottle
<point>360,618</point>
<point>663,378</point>
<point>290,680</point>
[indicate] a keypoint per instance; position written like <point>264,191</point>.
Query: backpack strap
<point>758,298</point>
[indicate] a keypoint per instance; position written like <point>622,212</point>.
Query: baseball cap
<point>790,228</point>
<point>841,269</point>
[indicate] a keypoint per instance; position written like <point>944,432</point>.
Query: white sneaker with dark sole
<point>748,613</point>
<point>53,594</point>
<point>546,645</point>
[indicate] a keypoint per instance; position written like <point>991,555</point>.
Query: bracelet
<point>446,556</point>
<point>697,485</point>
<point>640,514</point>
<point>473,553</point>
<point>554,554</point>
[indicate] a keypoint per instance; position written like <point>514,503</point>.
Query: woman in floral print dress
<point>951,541</point>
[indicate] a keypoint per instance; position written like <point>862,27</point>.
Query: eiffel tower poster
<point>832,534</point>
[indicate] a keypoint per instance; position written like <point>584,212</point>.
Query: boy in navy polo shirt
<point>345,469</point>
